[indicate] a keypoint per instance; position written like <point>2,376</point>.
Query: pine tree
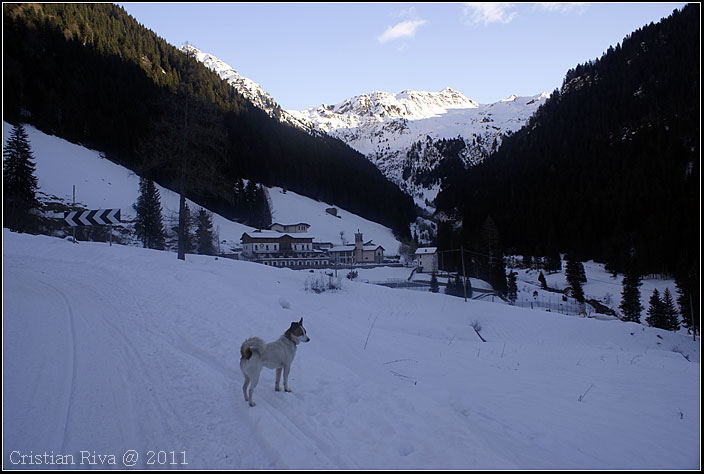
<point>574,273</point>
<point>452,288</point>
<point>656,312</point>
<point>261,215</point>
<point>497,276</point>
<point>204,233</point>
<point>512,288</point>
<point>581,274</point>
<point>542,281</point>
<point>671,314</point>
<point>434,287</point>
<point>149,225</point>
<point>630,296</point>
<point>19,181</point>
<point>189,241</point>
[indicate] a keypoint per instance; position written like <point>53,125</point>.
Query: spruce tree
<point>656,312</point>
<point>261,215</point>
<point>574,273</point>
<point>204,233</point>
<point>671,314</point>
<point>149,225</point>
<point>19,181</point>
<point>452,288</point>
<point>512,288</point>
<point>497,276</point>
<point>434,287</point>
<point>543,282</point>
<point>630,296</point>
<point>189,243</point>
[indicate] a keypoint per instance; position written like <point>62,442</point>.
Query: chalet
<point>300,228</point>
<point>289,249</point>
<point>427,259</point>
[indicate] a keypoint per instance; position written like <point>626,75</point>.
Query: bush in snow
<point>320,282</point>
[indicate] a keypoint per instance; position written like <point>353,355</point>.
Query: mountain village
<point>292,246</point>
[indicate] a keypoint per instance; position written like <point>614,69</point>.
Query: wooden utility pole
<point>73,208</point>
<point>184,161</point>
<point>464,275</point>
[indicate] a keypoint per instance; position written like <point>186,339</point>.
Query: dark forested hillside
<point>90,73</point>
<point>609,167</point>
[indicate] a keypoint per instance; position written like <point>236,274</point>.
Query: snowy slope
<point>102,184</point>
<point>290,207</point>
<point>111,349</point>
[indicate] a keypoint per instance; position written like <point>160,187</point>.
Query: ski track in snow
<point>71,386</point>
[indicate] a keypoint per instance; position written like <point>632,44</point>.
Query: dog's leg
<point>244,387</point>
<point>277,387</point>
<point>253,383</point>
<point>287,369</point>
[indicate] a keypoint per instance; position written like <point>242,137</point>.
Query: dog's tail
<point>251,345</point>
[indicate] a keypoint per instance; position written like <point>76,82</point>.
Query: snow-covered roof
<point>426,250</point>
<point>272,234</point>
<point>289,225</point>
<point>350,248</point>
<point>342,248</point>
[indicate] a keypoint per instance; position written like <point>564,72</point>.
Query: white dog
<point>275,355</point>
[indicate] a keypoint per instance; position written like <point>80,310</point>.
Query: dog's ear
<point>301,321</point>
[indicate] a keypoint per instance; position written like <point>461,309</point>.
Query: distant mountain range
<point>402,134</point>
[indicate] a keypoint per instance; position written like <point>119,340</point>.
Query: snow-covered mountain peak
<point>380,106</point>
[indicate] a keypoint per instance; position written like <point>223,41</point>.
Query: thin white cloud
<point>563,7</point>
<point>409,12</point>
<point>484,12</point>
<point>405,29</point>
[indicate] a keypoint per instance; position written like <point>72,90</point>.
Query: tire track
<point>73,358</point>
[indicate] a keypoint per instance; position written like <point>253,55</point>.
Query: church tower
<point>358,247</point>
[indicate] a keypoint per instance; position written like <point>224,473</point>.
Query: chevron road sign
<point>95,217</point>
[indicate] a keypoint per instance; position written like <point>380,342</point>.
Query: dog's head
<point>297,333</point>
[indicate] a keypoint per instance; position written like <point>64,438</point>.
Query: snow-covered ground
<point>102,184</point>
<point>601,286</point>
<point>112,352</point>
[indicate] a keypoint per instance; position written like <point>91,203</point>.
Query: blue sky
<point>307,54</point>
